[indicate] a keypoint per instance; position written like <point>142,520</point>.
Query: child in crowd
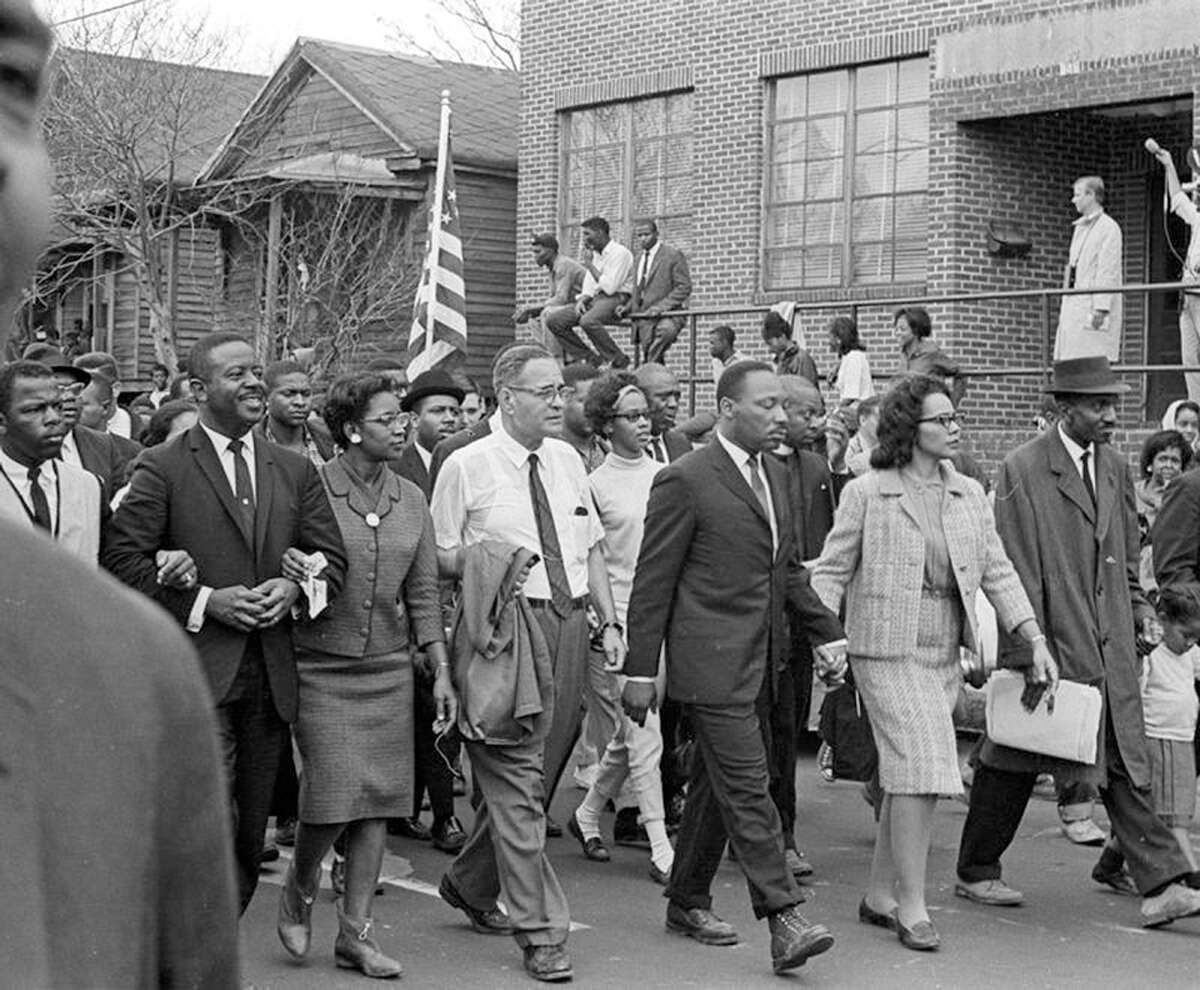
<point>1170,706</point>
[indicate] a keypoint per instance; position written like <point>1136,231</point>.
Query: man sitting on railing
<point>662,284</point>
<point>607,286</point>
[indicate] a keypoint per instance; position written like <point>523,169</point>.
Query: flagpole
<point>435,232</point>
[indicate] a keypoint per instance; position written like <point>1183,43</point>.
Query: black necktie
<point>760,492</point>
<point>1087,477</point>
<point>645,271</point>
<point>41,507</point>
<point>560,587</point>
<point>242,489</point>
<point>656,448</point>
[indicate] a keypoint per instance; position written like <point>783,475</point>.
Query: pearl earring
<point>355,438</point>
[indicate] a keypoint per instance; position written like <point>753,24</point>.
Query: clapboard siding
<point>487,207</point>
<point>319,119</point>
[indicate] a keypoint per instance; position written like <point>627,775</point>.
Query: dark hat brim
<point>416,395</point>
<point>80,375</point>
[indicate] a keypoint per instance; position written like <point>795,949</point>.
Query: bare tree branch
<point>493,26</point>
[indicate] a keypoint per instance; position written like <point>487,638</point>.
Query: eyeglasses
<point>632,417</point>
<point>547,394</point>
<point>389,421</point>
<point>945,420</point>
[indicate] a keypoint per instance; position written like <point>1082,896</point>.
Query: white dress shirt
<point>220,444</point>
<point>70,453</point>
<point>426,455</point>
<point>1077,452</point>
<point>742,459</point>
<point>647,262</point>
<point>482,493</point>
<point>614,266</point>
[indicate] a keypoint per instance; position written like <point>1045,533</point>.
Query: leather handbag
<point>1069,732</point>
<point>847,729</point>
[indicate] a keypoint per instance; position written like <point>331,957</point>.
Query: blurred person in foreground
<point>155,906</point>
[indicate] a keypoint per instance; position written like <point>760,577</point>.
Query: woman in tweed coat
<point>911,544</point>
<point>355,725</point>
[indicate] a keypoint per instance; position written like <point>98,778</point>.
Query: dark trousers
<point>778,718</point>
<point>998,800</point>
<point>728,800</point>
<point>251,736</point>
<point>654,337</point>
<point>285,802</point>
<point>432,771</point>
<point>670,767</point>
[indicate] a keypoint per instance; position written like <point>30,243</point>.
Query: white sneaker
<point>1084,832</point>
<point>1177,901</point>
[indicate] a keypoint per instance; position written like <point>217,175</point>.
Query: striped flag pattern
<point>447,305</point>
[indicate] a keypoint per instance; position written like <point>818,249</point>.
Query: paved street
<point>1070,933</point>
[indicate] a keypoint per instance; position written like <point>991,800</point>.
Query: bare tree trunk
<point>162,331</point>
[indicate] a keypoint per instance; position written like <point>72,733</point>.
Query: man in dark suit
<point>235,504</point>
<point>101,705</point>
<point>662,392</point>
<point>433,402</point>
<point>813,493</point>
<point>1065,513</point>
<point>661,283</point>
<point>105,455</point>
<point>718,560</point>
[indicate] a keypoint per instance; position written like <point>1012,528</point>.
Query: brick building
<point>855,153</point>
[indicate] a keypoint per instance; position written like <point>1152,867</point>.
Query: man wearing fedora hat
<point>1065,513</point>
<point>433,401</point>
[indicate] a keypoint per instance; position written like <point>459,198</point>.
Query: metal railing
<point>855,306</point>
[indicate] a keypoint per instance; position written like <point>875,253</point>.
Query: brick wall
<point>1002,148</point>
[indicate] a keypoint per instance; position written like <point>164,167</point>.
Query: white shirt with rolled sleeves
<point>615,267</point>
<point>482,493</point>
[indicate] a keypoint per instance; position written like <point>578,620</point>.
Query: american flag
<point>441,298</point>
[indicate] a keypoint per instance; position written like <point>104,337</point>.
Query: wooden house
<point>336,119</point>
<point>337,124</point>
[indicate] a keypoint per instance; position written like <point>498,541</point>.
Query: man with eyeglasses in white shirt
<point>523,486</point>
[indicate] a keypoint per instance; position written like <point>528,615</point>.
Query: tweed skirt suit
<point>908,560</point>
<point>355,724</point>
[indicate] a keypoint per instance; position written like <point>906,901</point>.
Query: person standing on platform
<point>1090,324</point>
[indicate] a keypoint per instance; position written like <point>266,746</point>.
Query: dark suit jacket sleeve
<point>820,624</point>
<point>681,284</point>
<point>1176,533</point>
<point>670,524</point>
<point>319,529</point>
<point>136,532</point>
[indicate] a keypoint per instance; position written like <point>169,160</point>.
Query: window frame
<point>847,199</point>
<point>622,229</point>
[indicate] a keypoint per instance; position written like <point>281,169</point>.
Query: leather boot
<point>355,949</point>
<point>295,916</point>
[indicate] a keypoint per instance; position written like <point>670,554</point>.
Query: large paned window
<point>847,177</point>
<point>627,162</point>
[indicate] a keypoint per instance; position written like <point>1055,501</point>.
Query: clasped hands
<point>262,606</point>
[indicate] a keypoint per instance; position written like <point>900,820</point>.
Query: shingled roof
<point>178,112</point>
<point>402,94</point>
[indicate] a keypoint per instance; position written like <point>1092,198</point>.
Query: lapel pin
<point>372,520</point>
